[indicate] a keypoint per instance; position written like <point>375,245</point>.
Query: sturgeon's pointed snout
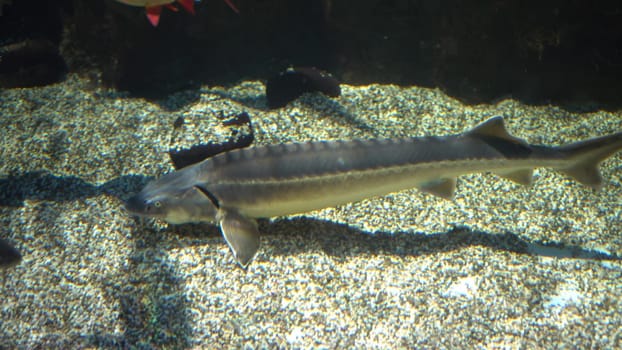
<point>136,205</point>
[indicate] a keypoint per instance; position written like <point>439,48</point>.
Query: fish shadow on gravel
<point>291,237</point>
<point>41,185</point>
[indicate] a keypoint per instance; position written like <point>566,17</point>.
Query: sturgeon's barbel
<point>234,188</point>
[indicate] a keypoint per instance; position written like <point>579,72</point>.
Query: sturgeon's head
<point>175,198</point>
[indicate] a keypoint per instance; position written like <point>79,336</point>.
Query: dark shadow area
<point>153,303</point>
<point>566,53</point>
<point>339,113</point>
<point>177,101</point>
<point>255,101</point>
<point>29,43</point>
<point>340,241</point>
<point>216,46</point>
<point>560,52</point>
<point>41,185</point>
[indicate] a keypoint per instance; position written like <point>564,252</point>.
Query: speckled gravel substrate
<point>501,266</point>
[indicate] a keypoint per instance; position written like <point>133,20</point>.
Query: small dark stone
<point>289,85</point>
<point>58,144</point>
<point>178,123</point>
<point>238,120</point>
<point>9,256</point>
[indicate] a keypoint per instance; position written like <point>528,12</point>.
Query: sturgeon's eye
<point>150,205</point>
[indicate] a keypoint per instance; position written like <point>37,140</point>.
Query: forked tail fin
<point>587,155</point>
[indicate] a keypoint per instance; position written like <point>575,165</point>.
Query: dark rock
<point>9,256</point>
<point>179,122</point>
<point>182,158</point>
<point>290,84</point>
<point>32,62</point>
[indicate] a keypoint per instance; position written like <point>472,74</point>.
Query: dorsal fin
<point>493,127</point>
<point>494,133</point>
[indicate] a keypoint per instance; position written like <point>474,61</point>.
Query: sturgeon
<point>234,188</point>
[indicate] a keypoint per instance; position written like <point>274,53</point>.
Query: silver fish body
<point>236,187</point>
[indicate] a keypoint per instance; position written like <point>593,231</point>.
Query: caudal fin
<point>587,155</point>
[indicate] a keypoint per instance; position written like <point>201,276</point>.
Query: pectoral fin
<point>443,188</point>
<point>523,176</point>
<point>241,234</point>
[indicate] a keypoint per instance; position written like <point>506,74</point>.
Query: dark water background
<point>562,52</point>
